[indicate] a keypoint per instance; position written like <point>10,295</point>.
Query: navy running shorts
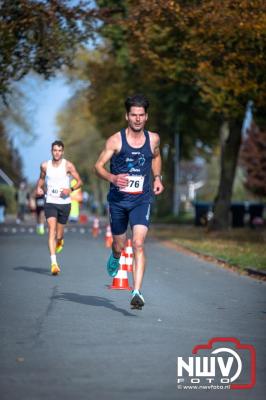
<point>120,216</point>
<point>59,211</point>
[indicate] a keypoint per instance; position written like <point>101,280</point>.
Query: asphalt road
<point>70,337</point>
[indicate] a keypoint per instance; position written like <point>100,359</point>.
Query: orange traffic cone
<point>120,281</point>
<point>129,255</point>
<point>108,237</point>
<point>96,227</point>
<point>83,219</point>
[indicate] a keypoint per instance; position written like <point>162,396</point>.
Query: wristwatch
<point>158,176</point>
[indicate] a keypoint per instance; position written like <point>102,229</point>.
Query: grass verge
<point>244,248</point>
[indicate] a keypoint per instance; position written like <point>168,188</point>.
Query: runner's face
<point>57,152</point>
<point>136,118</point>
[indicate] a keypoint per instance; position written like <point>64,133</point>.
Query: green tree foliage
<point>114,74</point>
<point>15,126</point>
<point>77,130</point>
<point>82,141</point>
<point>199,62</point>
<point>10,161</point>
<point>217,48</point>
<point>41,36</point>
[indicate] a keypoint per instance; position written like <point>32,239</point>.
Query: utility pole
<point>176,198</point>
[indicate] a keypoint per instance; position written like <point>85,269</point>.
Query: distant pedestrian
<point>76,199</point>
<point>22,197</point>
<point>85,199</point>
<point>3,205</point>
<point>40,217</point>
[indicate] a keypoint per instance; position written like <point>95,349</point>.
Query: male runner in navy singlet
<point>55,175</point>
<point>135,176</point>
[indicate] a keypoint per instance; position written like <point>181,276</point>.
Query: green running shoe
<point>112,265</point>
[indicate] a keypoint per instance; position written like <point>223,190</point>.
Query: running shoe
<point>112,265</point>
<point>40,230</point>
<point>137,300</point>
<point>59,245</point>
<point>55,269</point>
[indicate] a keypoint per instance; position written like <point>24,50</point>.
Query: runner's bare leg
<point>60,231</point>
<point>119,242</point>
<point>52,234</point>
<point>139,236</point>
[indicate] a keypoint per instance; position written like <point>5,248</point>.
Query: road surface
<point>71,337</point>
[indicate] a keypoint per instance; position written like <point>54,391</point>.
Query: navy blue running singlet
<point>136,162</point>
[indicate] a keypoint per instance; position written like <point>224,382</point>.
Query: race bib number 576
<point>135,184</point>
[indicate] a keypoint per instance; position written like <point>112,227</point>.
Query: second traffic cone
<point>83,219</point>
<point>96,227</point>
<point>120,281</point>
<point>129,255</point>
<point>108,237</point>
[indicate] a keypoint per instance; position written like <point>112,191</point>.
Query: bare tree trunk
<point>230,145</point>
<point>163,204</point>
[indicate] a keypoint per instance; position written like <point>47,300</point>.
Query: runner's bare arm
<point>156,164</point>
<point>112,145</point>
<point>41,180</point>
<point>71,169</point>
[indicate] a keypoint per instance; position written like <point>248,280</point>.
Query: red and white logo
<point>222,363</point>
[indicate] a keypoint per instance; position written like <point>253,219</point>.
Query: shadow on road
<point>91,301</point>
<point>43,271</point>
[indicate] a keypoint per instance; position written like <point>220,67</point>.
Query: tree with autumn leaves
<point>112,75</point>
<point>10,160</point>
<point>218,48</point>
<point>253,161</point>
<point>200,62</point>
<point>43,36</point>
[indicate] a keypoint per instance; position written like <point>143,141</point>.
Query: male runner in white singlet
<point>56,173</point>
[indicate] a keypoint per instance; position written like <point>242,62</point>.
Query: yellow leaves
<point>204,66</point>
<point>173,6</point>
<point>220,44</point>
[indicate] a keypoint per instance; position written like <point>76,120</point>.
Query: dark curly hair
<point>138,100</point>
<point>58,143</point>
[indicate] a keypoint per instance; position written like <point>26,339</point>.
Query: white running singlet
<point>56,180</point>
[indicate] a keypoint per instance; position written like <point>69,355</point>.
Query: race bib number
<point>54,191</point>
<point>135,184</point>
